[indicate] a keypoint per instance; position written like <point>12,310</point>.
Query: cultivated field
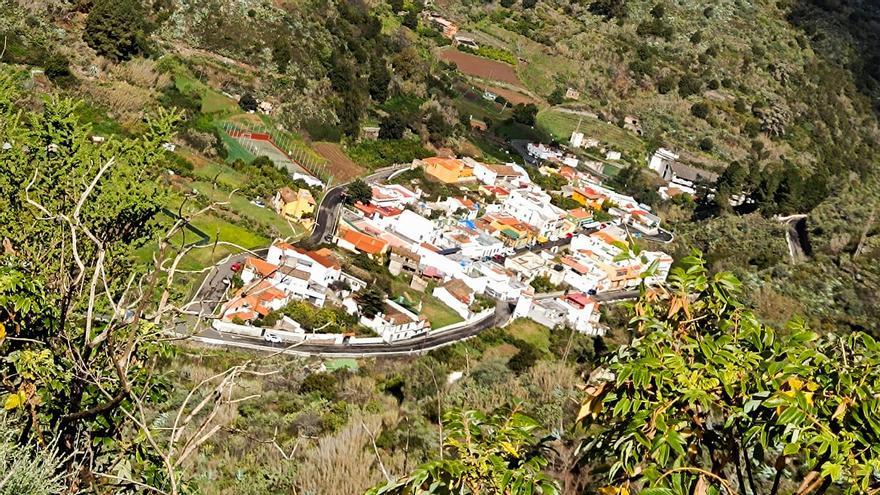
<point>512,96</point>
<point>339,164</point>
<point>484,68</point>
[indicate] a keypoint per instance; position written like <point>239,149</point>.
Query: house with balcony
<point>533,207</point>
<point>493,174</point>
<point>394,196</point>
<point>395,323</point>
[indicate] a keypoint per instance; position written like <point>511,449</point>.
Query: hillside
<point>778,99</point>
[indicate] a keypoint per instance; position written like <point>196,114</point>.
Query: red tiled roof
<point>589,192</point>
<point>578,267</point>
<point>384,211</point>
<point>579,298</point>
<point>579,213</point>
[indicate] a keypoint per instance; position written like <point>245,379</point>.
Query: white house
<point>320,265</point>
<point>583,275</point>
<point>661,162</point>
<point>577,138</point>
<point>581,313</point>
<point>612,155</point>
<point>500,284</point>
<point>491,174</point>
<point>394,195</point>
<point>395,323</point>
<point>293,282</point>
<point>533,207</point>
<point>415,227</point>
<point>577,311</point>
<point>454,204</point>
<point>457,295</point>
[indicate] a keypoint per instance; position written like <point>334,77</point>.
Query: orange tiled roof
<point>447,163</point>
<point>605,236</point>
<point>363,242</point>
<point>579,213</point>
<point>262,267</point>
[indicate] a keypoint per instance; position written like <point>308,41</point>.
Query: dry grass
<point>344,461</point>
<point>125,101</point>
<point>142,73</point>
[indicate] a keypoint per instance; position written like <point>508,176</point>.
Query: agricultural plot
<point>340,166</point>
<point>483,68</point>
<point>560,125</point>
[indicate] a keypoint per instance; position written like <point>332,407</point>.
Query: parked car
<point>272,338</point>
<point>591,292</point>
<point>235,267</point>
<point>258,203</point>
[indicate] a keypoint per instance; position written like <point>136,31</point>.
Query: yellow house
<point>447,170</point>
<point>512,232</point>
<point>588,197</point>
<point>294,205</point>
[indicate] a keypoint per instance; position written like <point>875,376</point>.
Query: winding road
<point>328,211</point>
<point>409,347</point>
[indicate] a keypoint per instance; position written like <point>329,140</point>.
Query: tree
<point>380,78</point>
<point>358,192</point>
<point>525,358</point>
<point>706,397</point>
<point>497,453</point>
<point>82,327</point>
<point>689,84</point>
<point>396,5</point>
<point>557,96</point>
<point>525,113</point>
<point>248,103</point>
<point>411,19</point>
<point>542,284</point>
<point>392,127</point>
<point>371,301</point>
<point>117,29</point>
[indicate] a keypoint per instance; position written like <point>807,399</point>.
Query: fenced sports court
<point>284,152</point>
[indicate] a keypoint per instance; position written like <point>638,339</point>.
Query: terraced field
<point>484,68</point>
<point>341,167</point>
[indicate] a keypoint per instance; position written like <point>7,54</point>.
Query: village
<point>449,239</point>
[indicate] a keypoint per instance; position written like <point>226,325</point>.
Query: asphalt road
<point>418,345</point>
<point>328,210</point>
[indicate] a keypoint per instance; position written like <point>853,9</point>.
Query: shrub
<point>527,356</point>
<point>248,103</point>
<point>700,110</point>
<point>525,113</point>
<point>57,68</point>
<point>688,85</point>
<point>324,384</point>
<point>666,85</point>
<point>706,144</point>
